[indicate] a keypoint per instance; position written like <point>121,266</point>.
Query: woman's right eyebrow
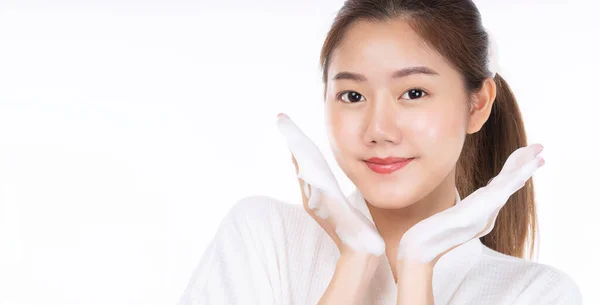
<point>345,75</point>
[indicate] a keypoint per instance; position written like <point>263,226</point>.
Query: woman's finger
<point>295,163</point>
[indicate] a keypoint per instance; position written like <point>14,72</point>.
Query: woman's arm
<point>322,198</point>
<point>414,283</point>
<point>353,273</point>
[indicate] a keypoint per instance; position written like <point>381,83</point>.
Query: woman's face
<point>413,115</point>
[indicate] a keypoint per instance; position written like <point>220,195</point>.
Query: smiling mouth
<point>388,168</point>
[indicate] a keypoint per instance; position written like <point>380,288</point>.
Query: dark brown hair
<point>453,28</point>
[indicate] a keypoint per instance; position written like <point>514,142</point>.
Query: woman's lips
<point>387,168</point>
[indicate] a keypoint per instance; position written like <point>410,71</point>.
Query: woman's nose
<point>382,124</point>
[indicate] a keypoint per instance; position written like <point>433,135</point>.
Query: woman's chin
<point>388,197</point>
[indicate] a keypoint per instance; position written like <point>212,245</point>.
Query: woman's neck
<point>393,223</point>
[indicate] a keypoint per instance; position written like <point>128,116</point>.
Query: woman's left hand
<point>473,217</point>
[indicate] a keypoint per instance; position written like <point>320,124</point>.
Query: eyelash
<point>339,95</point>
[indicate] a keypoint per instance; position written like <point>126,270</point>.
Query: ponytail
<point>482,158</point>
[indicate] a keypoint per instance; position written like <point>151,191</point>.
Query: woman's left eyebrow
<point>414,70</point>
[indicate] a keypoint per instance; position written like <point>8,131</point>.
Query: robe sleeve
<point>564,292</point>
<point>556,288</point>
<point>233,269</point>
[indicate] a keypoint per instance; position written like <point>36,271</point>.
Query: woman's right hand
<point>323,199</point>
<point>328,223</point>
<point>357,239</point>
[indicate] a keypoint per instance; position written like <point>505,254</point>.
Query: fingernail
<point>281,114</point>
<point>542,162</point>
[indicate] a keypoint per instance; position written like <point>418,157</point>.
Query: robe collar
<point>448,273</point>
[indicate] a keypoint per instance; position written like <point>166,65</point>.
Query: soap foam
<point>325,195</point>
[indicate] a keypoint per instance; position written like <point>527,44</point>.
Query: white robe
<point>270,252</point>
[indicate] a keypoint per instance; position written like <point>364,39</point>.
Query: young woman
<point>410,80</point>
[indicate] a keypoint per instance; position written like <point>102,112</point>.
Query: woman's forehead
<point>380,46</point>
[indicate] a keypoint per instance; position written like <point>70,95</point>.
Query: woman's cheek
<point>342,131</point>
<point>332,122</point>
<point>427,130</point>
<point>437,127</point>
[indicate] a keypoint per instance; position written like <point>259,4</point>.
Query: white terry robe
<point>270,252</point>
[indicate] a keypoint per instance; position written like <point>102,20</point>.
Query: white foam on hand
<point>472,217</point>
<point>324,194</point>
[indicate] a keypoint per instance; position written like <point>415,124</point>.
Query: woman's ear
<point>481,106</point>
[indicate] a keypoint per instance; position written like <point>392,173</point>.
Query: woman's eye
<point>352,96</point>
<point>414,93</point>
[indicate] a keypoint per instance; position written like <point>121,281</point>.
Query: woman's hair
<point>453,28</point>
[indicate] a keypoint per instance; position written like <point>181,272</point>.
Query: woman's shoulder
<point>275,217</point>
<point>247,258</point>
<point>285,223</point>
<point>264,210</point>
<point>258,207</point>
<point>526,279</point>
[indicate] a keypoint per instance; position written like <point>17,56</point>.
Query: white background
<point>128,129</point>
